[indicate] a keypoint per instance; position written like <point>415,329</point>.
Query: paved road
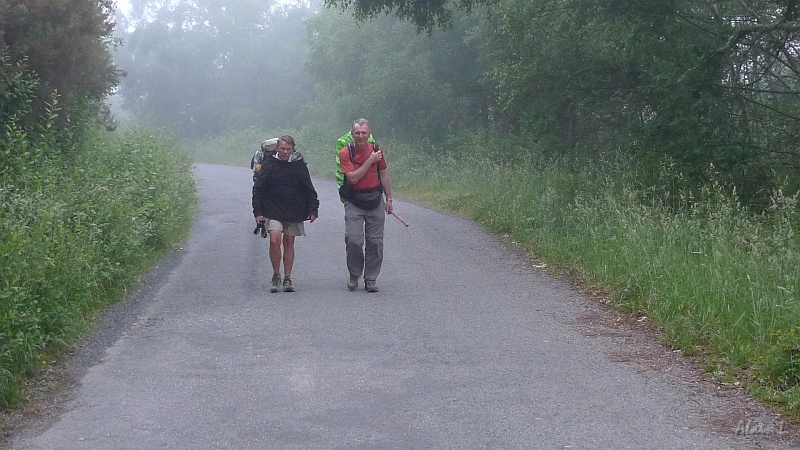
<point>467,345</point>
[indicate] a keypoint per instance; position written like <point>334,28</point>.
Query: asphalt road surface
<point>469,344</point>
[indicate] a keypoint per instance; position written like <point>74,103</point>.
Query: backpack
<point>267,148</point>
<point>367,200</point>
<point>340,143</point>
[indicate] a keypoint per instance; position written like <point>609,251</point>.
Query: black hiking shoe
<point>276,282</point>
<point>370,286</point>
<point>287,284</point>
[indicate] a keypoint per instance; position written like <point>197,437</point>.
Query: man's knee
<point>375,243</point>
<point>354,240</point>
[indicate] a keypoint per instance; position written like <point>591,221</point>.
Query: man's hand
<point>375,157</point>
<point>312,218</point>
<point>261,225</point>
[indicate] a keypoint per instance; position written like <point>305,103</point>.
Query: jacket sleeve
<point>258,195</point>
<point>312,200</point>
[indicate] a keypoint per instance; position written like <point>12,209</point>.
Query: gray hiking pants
<point>363,239</point>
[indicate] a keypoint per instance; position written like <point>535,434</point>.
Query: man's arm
<point>387,189</point>
<point>356,175</point>
<point>258,208</point>
<point>259,200</point>
<point>311,194</point>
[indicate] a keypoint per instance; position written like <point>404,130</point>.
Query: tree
<point>706,83</point>
<point>701,82</point>
<point>423,85</point>
<point>17,87</point>
<point>426,15</point>
<point>66,43</point>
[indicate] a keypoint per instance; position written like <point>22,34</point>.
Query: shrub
<point>82,214</point>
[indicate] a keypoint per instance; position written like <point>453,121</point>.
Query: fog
<point>203,70</point>
<point>225,66</point>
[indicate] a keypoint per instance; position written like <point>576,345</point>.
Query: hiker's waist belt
<point>364,191</point>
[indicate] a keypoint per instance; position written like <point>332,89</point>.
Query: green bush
<point>82,215</point>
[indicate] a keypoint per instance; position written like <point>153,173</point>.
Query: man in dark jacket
<point>284,197</point>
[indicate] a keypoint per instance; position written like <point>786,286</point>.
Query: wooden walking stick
<point>400,219</point>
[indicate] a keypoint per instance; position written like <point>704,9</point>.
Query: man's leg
<point>275,237</point>
<point>373,252</point>
<point>288,255</point>
<point>354,239</point>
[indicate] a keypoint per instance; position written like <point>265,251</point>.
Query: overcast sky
<point>124,5</point>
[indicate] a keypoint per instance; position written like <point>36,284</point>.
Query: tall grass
<point>81,217</point>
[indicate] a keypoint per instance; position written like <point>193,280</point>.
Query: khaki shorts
<point>287,228</point>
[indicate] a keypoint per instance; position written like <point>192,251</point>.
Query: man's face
<point>361,134</point>
<point>284,150</point>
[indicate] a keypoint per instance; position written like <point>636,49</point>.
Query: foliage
<point>783,362</point>
<point>703,83</point>
<point>425,15</point>
<point>17,89</point>
<point>405,83</point>
<point>82,214</point>
<point>66,43</point>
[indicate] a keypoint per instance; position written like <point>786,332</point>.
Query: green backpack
<point>340,144</point>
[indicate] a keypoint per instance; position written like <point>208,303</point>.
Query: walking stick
<point>400,219</point>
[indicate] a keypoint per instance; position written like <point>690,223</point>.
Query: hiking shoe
<point>370,286</point>
<point>276,282</point>
<point>352,283</point>
<point>287,284</point>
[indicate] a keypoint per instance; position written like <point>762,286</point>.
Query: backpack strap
<point>351,147</point>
